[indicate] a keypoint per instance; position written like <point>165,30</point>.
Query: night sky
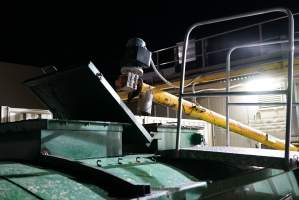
<point>68,34</point>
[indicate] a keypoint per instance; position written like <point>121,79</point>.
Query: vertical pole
<point>290,87</point>
<point>182,84</point>
<point>227,98</point>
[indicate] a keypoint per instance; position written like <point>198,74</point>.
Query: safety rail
<point>205,53</point>
<point>288,92</point>
<point>228,70</point>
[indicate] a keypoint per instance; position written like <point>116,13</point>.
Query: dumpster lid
<point>82,93</point>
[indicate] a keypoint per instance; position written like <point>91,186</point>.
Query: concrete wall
<point>13,92</point>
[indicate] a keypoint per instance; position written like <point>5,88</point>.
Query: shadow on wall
<point>13,92</point>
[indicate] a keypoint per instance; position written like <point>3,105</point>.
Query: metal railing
<point>288,91</point>
<point>228,70</point>
<point>204,55</point>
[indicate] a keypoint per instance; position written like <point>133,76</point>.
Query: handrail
<point>230,31</point>
<point>244,27</point>
<point>228,69</point>
<point>290,68</point>
<point>203,39</point>
<point>175,60</point>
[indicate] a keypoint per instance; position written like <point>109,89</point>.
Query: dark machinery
<point>135,59</point>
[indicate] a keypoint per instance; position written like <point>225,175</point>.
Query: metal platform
<point>237,156</point>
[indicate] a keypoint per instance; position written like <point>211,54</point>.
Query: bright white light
<point>263,84</point>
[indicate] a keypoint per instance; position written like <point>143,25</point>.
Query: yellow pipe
<point>199,112</point>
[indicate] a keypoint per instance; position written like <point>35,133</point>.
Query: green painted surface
<point>81,144</point>
<point>161,177</point>
<point>67,138</point>
<point>10,191</point>
<point>167,138</point>
<point>19,181</point>
<point>82,139</point>
<point>16,169</point>
<point>158,175</point>
<point>54,186</point>
<point>250,177</point>
<point>278,186</point>
<point>45,184</point>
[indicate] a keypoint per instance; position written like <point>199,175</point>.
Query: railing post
<point>290,87</point>
<point>227,100</point>
<point>290,82</point>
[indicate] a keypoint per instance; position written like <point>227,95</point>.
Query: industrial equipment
<point>95,148</point>
<point>135,59</point>
<point>196,111</point>
<point>199,112</point>
<point>64,158</point>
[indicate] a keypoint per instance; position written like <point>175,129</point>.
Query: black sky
<point>66,34</point>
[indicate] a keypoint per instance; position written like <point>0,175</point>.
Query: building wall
<point>239,113</point>
<point>13,92</point>
<point>269,119</point>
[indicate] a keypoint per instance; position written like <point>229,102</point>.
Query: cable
<point>209,89</point>
<point>190,83</point>
<point>165,80</point>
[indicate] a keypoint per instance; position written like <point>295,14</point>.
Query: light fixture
<point>263,84</point>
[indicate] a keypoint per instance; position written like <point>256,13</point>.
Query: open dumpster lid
<point>82,93</point>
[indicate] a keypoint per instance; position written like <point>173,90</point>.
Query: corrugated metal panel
<point>270,99</point>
